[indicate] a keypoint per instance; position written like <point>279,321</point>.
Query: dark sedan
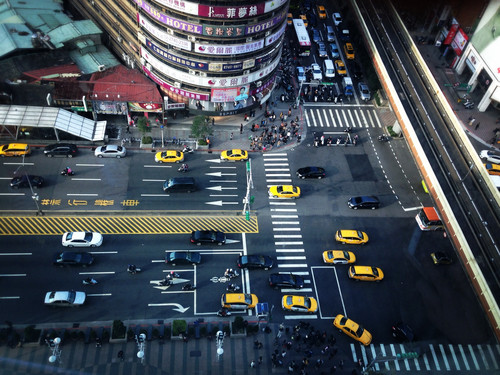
<point>25,181</point>
<point>255,261</point>
<point>311,172</point>
<point>364,201</point>
<point>208,237</point>
<point>182,257</point>
<point>286,280</point>
<point>60,149</point>
<point>73,258</point>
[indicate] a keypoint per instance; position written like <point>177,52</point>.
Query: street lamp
<point>54,347</point>
<point>219,342</point>
<point>140,340</point>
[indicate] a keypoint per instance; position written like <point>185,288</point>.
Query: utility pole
<point>248,200</point>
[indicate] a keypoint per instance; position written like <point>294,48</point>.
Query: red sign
<point>451,34</point>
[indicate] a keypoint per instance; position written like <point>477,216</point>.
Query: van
<point>328,69</point>
<point>330,34</point>
<point>179,184</point>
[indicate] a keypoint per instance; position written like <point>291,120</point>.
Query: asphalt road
<point>435,301</point>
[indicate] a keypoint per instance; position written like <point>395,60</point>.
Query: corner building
<point>213,57</point>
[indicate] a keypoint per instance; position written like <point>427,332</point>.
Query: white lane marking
<point>374,355</point>
<point>277,169</point>
<point>16,253</point>
<point>90,179</point>
<point>278,175</point>
<point>97,273</point>
<point>464,357</point>
<point>89,165</point>
<point>152,180</point>
<point>382,350</point>
<point>286,243</point>
<point>483,357</point>
<point>277,180</point>
<point>18,163</point>
<point>426,362</point>
<point>303,290</point>
<point>8,194</point>
<point>282,203</point>
<point>99,295</point>
<point>222,167</point>
<point>289,250</point>
<point>221,181</point>
<point>12,274</point>
<point>286,229</point>
<point>300,273</point>
<point>82,195</point>
<point>274,155</point>
<point>291,257</point>
<point>492,355</point>
<point>285,223</point>
<point>275,164</point>
<point>354,354</point>
<point>10,297</point>
<point>473,355</point>
<point>104,252</point>
<point>290,317</point>
<point>155,195</point>
<point>284,209</point>
<point>304,265</point>
<point>284,216</point>
<point>402,350</point>
<point>287,236</point>
<point>393,352</point>
<point>274,159</point>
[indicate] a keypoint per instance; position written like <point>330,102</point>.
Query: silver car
<point>110,151</point>
<point>364,91</point>
<point>490,156</point>
<point>322,50</point>
<point>70,298</point>
<point>334,50</point>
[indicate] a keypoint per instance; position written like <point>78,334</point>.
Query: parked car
<point>364,91</point>
<point>363,201</point>
<point>60,149</point>
<point>255,261</point>
<point>25,181</point>
<point>286,280</point>
<point>82,239</point>
<point>182,257</point>
<point>65,298</point>
<point>311,172</point>
<point>490,156</point>
<point>208,237</point>
<point>110,151</point>
<point>73,258</point>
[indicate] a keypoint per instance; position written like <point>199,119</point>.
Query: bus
<point>302,41</point>
<point>428,219</point>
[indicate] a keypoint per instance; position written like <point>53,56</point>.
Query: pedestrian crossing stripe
<point>341,118</point>
<point>438,357</point>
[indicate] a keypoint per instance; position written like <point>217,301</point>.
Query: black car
<point>311,172</point>
<point>73,258</point>
<point>208,236</point>
<point>60,149</point>
<point>363,201</point>
<point>255,261</point>
<point>182,257</point>
<point>25,181</point>
<point>286,280</point>
<point>402,332</point>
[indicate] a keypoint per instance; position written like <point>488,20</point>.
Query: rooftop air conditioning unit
<point>177,84</point>
<point>258,83</point>
<point>203,74</point>
<point>191,38</point>
<point>101,68</point>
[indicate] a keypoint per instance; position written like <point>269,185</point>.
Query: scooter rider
<point>185,167</point>
<point>132,268</point>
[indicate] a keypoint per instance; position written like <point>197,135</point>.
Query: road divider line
<point>278,180</point>
<point>278,175</point>
<point>281,203</point>
<point>277,169</point>
<point>220,166</point>
<point>300,273</point>
<point>18,163</point>
<point>155,195</point>
<point>16,253</point>
<point>276,154</point>
<point>10,297</point>
<point>104,252</point>
<point>275,164</point>
<point>98,273</point>
<point>157,166</point>
<point>221,181</point>
<point>303,265</point>
<point>85,179</point>
<point>286,229</point>
<point>285,222</point>
<point>289,250</point>
<point>223,195</point>
<point>303,290</point>
<point>286,243</point>
<point>284,209</point>
<point>82,195</point>
<point>89,165</point>
<point>287,236</point>
<point>274,159</point>
<point>6,194</point>
<point>300,317</point>
<point>284,216</point>
<point>99,295</point>
<point>152,180</point>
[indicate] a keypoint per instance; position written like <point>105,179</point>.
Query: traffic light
<point>407,355</point>
<point>252,199</point>
<point>247,215</point>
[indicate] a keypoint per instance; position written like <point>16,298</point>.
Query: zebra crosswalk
<point>431,358</point>
<point>341,117</point>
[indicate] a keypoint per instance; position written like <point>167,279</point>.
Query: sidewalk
<point>196,356</point>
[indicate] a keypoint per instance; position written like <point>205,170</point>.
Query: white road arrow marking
<point>179,308</point>
<point>220,203</point>
<point>220,188</point>
<point>228,241</point>
<point>213,160</point>
<point>220,174</point>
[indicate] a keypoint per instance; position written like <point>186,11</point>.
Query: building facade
<point>211,57</point>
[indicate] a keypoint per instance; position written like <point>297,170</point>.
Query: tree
<point>201,128</point>
<point>144,127</point>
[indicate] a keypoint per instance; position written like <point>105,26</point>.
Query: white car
<point>70,298</point>
<point>82,239</point>
<point>364,91</point>
<point>316,72</point>
<point>337,18</point>
<point>301,74</point>
<point>110,151</point>
<point>490,156</point>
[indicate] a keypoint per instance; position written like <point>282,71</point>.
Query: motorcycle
<point>172,275</point>
<point>183,168</point>
<point>67,172</point>
<point>231,274</point>
<point>383,138</point>
<point>187,149</point>
<point>223,312</point>
<point>89,281</point>
<point>165,282</point>
<point>188,287</point>
<point>133,269</point>
<point>233,288</point>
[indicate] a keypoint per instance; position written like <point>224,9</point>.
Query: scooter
<point>233,288</point>
<point>223,312</point>
<point>231,274</point>
<point>172,275</point>
<point>383,138</point>
<point>165,282</point>
<point>188,287</point>
<point>89,281</point>
<point>187,149</point>
<point>183,168</point>
<point>67,172</point>
<point>133,269</point>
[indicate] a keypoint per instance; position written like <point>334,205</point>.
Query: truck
<point>348,88</point>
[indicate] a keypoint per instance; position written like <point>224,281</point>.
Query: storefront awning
<point>50,117</point>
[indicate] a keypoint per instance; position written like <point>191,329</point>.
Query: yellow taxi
<point>351,236</point>
<point>289,19</point>
<point>365,273</point>
<point>234,155</point>
<point>349,51</point>
<point>238,301</point>
<point>15,149</point>
<point>299,304</point>
<point>493,169</point>
<point>304,19</point>
<point>169,156</point>
<point>321,12</point>
<point>353,329</point>
<point>338,257</point>
<point>284,191</point>
<point>340,67</point>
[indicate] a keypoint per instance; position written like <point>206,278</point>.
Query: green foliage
<point>203,331</point>
<point>146,140</point>
<point>105,336</point>
<point>156,333</point>
<point>239,323</point>
<point>31,334</point>
<point>143,125</point>
<point>178,327</point>
<point>118,329</point>
<point>201,127</point>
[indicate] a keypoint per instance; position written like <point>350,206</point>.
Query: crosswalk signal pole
<point>248,200</point>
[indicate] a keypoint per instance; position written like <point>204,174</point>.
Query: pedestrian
<point>252,364</point>
<point>128,128</point>
<point>477,126</point>
<point>471,120</point>
<point>231,137</point>
<point>283,354</point>
<point>341,364</point>
<point>121,355</point>
<point>213,121</point>
<point>241,128</point>
<point>260,360</point>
